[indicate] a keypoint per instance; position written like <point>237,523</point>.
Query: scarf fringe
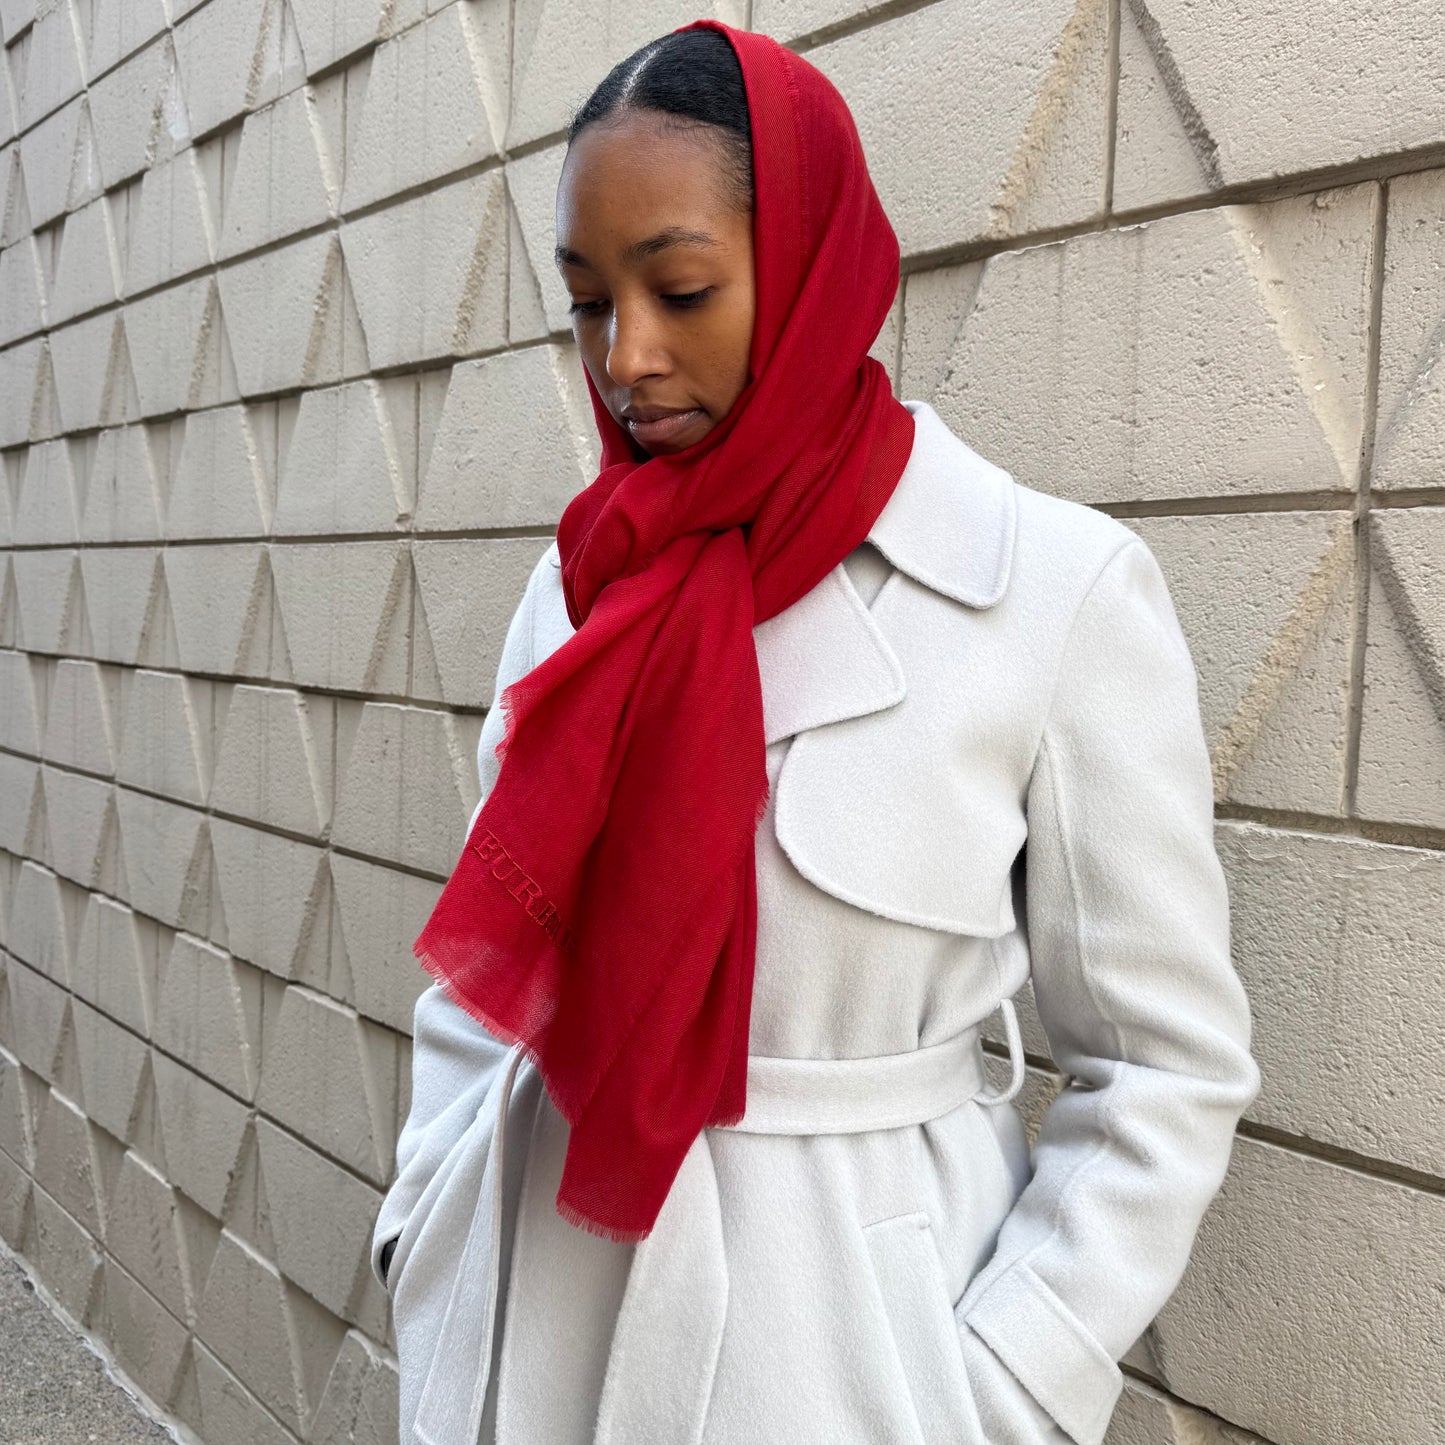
<point>493,1026</point>
<point>573,1215</point>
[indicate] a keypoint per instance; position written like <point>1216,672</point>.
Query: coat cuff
<point>1053,1356</point>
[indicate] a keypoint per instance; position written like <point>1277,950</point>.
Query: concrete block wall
<point>288,408</point>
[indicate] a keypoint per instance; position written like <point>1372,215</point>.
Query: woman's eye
<point>585,308</point>
<point>690,298</point>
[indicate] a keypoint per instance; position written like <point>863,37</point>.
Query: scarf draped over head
<point>603,912</point>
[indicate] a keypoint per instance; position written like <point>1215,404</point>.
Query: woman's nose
<point>634,351</point>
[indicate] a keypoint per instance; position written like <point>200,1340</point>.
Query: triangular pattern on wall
<point>16,220</point>
<point>120,400</point>
<point>213,372</point>
<point>45,402</point>
<point>85,177</point>
<point>11,634</point>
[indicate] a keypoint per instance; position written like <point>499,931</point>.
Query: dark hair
<point>694,76</point>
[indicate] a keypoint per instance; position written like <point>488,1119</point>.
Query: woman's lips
<point>664,429</point>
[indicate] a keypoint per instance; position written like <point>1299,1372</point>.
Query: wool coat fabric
<point>986,765</point>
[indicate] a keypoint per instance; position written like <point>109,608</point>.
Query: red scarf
<point>603,913</point>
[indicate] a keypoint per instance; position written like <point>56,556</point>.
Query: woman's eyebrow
<point>640,250</point>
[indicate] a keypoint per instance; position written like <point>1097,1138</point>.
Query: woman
<point>700,1147</point>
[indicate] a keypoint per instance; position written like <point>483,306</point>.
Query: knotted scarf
<point>603,912</point>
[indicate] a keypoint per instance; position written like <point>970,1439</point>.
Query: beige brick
<point>538,299</point>
<point>273,894</point>
<point>15,15</point>
<point>1146,1417</point>
<point>430,274</point>
<point>37,1017</point>
<point>15,1132</point>
<point>1221,352</point>
<point>324,1261</point>
<point>46,510</point>
<point>409,787</point>
<point>332,1078</point>
<point>286,179</point>
<point>220,487</point>
<point>23,289</point>
<point>274,760</point>
<point>63,1255</point>
<point>115,966</point>
<point>112,1065</point>
<point>9,25</point>
<point>1265,604</point>
<point>79,727</point>
<point>126,605</point>
<point>468,591</point>
<point>344,612</point>
<point>227,1412</point>
<point>149,1342</point>
<point>221,605</point>
<point>289,317</point>
<point>87,274</point>
<point>435,101</point>
<point>171,234</point>
<point>80,826</point>
<point>1031,136</point>
<point>208,1014</point>
<point>1402,760</point>
<point>66,1165</point>
<point>220,47</point>
<point>1211,98</point>
<point>166,856</point>
<point>330,32</point>
<point>381,911</point>
<point>179,348</point>
<point>47,585</point>
<point>15,1192</point>
<point>488,471</point>
<point>346,467</point>
<point>94,379</point>
<point>19,801</point>
<point>19,715</point>
<point>143,1233</point>
<point>360,1402</point>
<point>1311,1305</point>
<point>244,1318</point>
<point>48,153</point>
<point>1338,943</point>
<point>122,502</point>
<point>119,27</point>
<point>562,48</point>
<point>40,931</point>
<point>51,74</point>
<point>1410,421</point>
<point>167,728</point>
<point>139,112</point>
<point>22,372</point>
<point>201,1129</point>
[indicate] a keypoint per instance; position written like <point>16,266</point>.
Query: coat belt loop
<point>1015,1057</point>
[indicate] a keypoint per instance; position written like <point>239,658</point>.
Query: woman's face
<point>659,262</point>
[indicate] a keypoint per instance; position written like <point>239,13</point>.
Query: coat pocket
<point>909,1273</point>
<point>468,1146</point>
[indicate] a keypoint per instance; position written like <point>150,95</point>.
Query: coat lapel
<point>949,524</point>
<point>824,659</point>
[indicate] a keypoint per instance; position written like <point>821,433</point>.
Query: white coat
<point>875,1255</point>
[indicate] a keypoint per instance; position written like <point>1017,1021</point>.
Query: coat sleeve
<point>453,1057</point>
<point>1127,922</point>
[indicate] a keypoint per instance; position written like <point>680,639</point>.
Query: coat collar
<point>950,522</point>
<point>950,525</point>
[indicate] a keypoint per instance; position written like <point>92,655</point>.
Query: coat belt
<point>659,1382</point>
